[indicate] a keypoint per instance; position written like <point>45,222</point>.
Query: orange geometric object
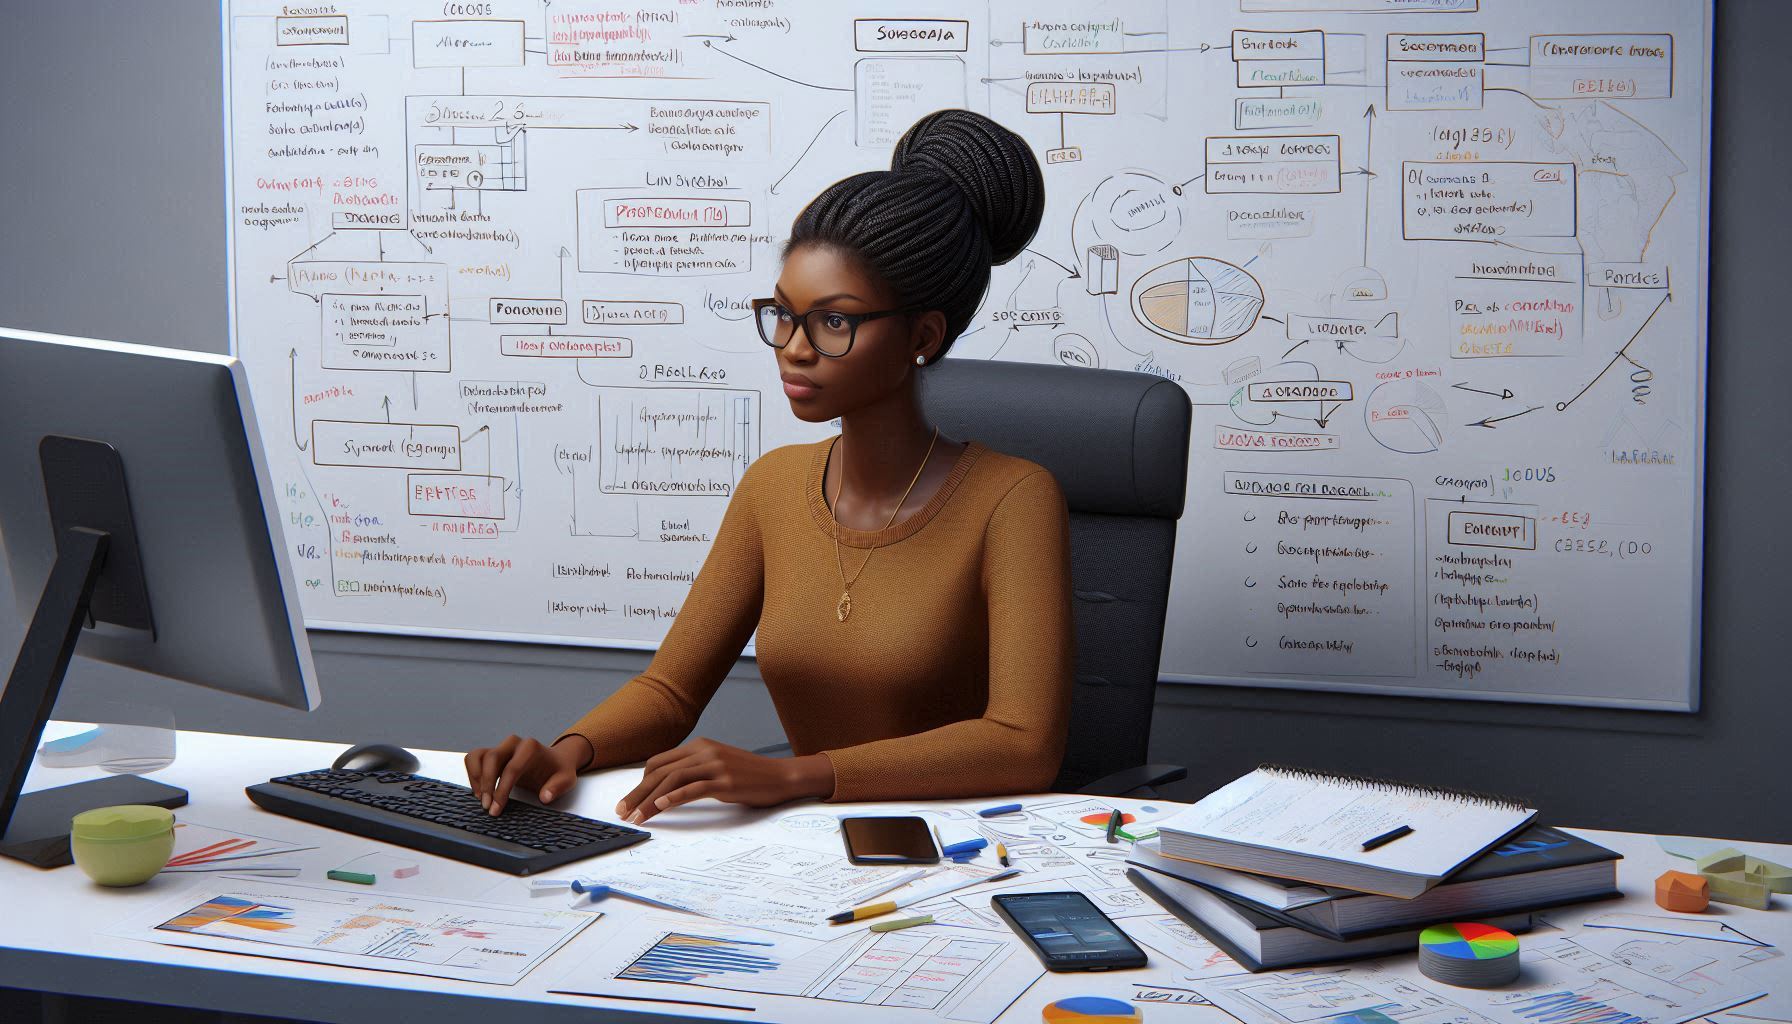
<point>1679,891</point>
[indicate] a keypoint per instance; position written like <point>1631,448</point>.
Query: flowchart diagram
<point>1432,272</point>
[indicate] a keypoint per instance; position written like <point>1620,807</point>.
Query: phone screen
<point>894,839</point>
<point>1069,931</point>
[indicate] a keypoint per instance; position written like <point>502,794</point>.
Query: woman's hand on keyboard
<point>708,768</point>
<point>492,772</point>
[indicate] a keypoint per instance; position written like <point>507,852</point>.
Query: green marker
<point>359,877</point>
<point>907,922</point>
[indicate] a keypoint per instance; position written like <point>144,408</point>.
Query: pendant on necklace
<point>844,608</point>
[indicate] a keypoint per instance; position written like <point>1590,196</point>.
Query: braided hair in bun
<point>962,194</point>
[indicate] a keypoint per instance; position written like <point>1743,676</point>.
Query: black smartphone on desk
<point>889,839</point>
<point>1067,931</point>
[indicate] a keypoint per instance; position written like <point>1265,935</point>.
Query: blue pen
<point>990,812</point>
<point>592,889</point>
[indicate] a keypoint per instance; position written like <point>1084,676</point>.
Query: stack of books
<point>1272,868</point>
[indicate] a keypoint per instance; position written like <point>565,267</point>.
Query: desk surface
<point>54,931</point>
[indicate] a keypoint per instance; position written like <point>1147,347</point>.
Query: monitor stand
<point>97,575</point>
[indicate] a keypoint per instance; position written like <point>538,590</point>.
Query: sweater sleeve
<point>657,709</point>
<point>1018,743</point>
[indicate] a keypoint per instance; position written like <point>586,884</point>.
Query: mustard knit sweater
<point>952,675</point>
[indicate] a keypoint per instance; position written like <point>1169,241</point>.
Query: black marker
<point>1386,837</point>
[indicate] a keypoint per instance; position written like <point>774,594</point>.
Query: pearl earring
<point>920,360</point>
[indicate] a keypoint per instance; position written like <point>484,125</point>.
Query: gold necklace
<point>843,608</point>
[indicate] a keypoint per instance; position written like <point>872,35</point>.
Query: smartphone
<point>1068,932</point>
<point>892,839</point>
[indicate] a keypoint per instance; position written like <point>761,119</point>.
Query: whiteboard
<point>1432,272</point>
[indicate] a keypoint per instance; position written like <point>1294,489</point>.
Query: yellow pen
<point>1002,853</point>
<point>891,906</point>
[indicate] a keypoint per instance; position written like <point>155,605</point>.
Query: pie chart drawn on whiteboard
<point>1198,301</point>
<point>1406,416</point>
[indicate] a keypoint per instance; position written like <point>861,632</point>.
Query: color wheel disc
<point>1468,941</point>
<point>1464,953</point>
<point>1092,1009</point>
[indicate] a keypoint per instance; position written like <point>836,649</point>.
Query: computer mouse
<point>374,757</point>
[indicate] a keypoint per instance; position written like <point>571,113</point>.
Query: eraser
<point>359,877</point>
<point>1681,892</point>
<point>955,839</point>
<point>405,871</point>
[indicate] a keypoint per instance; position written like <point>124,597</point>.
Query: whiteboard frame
<point>1688,704</point>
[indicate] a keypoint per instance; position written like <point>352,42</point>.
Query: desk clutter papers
<point>1662,979</point>
<point>952,973</point>
<point>1313,827</point>
<point>1087,818</point>
<point>372,929</point>
<point>1172,938</point>
<point>787,889</point>
<point>209,848</point>
<point>1580,974</point>
<point>1685,925</point>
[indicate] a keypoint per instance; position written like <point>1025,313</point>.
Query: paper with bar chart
<point>372,929</point>
<point>954,973</point>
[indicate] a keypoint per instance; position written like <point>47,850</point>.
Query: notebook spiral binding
<point>1396,786</point>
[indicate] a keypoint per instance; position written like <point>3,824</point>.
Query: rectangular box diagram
<point>1274,164</point>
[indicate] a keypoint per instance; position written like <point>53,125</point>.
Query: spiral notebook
<point>1311,826</point>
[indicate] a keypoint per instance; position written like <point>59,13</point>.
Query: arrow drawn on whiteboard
<point>1665,299</point>
<point>1074,274</point>
<point>292,374</point>
<point>1491,421</point>
<point>710,44</point>
<point>487,431</point>
<point>1503,393</point>
<point>1368,164</point>
<point>314,245</point>
<point>805,152</point>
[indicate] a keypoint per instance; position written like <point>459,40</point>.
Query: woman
<point>911,591</point>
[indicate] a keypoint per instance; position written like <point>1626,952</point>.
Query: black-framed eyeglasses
<point>830,331</point>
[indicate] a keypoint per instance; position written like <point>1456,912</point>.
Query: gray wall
<point>112,216</point>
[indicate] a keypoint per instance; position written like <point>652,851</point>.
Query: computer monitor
<point>140,524</point>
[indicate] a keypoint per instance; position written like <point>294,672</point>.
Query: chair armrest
<point>1144,776</point>
<point>775,750</point>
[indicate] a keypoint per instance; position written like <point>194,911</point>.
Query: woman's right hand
<point>492,772</point>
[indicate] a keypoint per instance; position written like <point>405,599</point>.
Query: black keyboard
<point>440,818</point>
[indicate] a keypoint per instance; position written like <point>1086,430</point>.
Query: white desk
<point>51,931</point>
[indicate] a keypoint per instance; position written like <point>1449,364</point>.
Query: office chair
<point>1118,443</point>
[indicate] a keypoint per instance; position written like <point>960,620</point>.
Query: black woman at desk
<point>911,591</point>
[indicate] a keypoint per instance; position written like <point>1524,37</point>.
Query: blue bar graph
<point>687,958</point>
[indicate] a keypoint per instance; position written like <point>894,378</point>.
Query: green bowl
<point>122,845</point>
